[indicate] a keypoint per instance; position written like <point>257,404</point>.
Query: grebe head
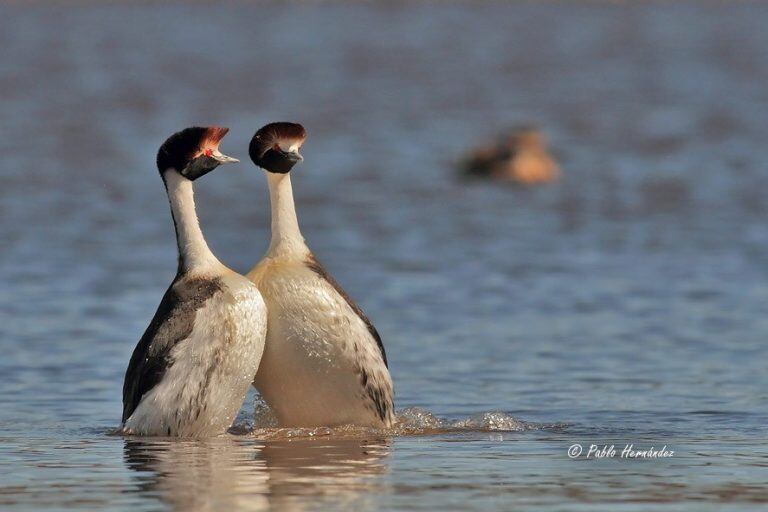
<point>193,152</point>
<point>275,147</point>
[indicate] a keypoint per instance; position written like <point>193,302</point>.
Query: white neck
<point>193,251</point>
<point>286,236</point>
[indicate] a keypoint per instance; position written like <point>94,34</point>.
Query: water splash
<point>263,416</point>
<point>418,418</point>
<point>412,421</point>
<point>494,421</point>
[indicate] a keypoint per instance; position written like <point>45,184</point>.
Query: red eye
<point>276,147</point>
<point>208,152</point>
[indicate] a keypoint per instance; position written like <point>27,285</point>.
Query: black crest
<point>269,146</point>
<point>181,148</point>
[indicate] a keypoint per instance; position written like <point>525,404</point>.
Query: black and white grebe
<point>324,363</point>
<point>191,370</point>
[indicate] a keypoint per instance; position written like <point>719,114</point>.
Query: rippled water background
<point>627,301</point>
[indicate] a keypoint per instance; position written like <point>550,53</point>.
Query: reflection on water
<point>231,473</point>
<point>341,467</point>
<point>345,471</point>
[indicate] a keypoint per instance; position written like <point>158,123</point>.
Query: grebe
<point>520,156</point>
<point>190,372</point>
<point>324,363</point>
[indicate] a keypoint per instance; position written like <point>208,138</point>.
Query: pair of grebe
<point>286,327</point>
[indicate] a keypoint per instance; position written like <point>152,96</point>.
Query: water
<point>624,305</point>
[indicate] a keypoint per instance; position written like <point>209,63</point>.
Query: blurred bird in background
<point>520,155</point>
